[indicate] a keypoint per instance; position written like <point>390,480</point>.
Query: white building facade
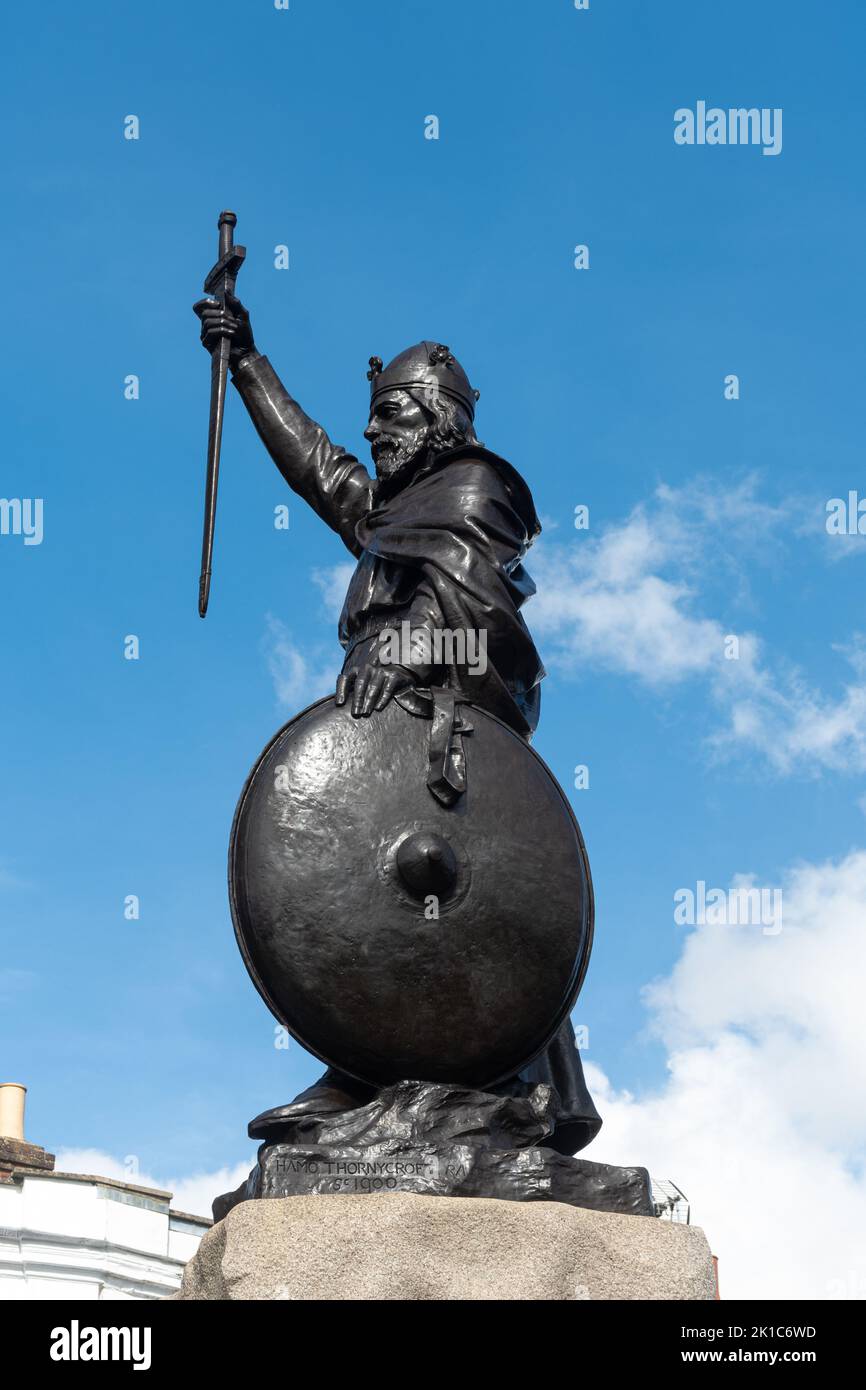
<point>77,1236</point>
<point>71,1236</point>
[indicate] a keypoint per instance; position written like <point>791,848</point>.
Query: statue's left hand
<point>370,683</point>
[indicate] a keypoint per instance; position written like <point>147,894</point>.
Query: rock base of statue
<point>399,1245</point>
<point>437,1141</point>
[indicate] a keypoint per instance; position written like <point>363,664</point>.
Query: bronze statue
<point>440,534</point>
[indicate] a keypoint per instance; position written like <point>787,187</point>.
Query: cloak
<point>446,553</point>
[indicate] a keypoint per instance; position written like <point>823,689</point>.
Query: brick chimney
<point>16,1155</point>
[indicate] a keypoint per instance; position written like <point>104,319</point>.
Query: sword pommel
<point>226,225</point>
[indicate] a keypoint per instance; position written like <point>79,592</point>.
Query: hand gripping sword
<point>219,282</point>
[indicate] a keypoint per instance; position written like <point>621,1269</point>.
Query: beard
<point>396,455</point>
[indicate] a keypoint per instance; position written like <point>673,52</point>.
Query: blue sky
<point>605,387</point>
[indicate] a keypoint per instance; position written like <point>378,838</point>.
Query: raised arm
<point>332,481</point>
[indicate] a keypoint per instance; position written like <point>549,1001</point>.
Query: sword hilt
<point>221,277</point>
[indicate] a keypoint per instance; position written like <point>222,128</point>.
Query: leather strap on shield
<point>446,776</point>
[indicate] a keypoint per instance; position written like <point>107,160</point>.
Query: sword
<point>219,282</point>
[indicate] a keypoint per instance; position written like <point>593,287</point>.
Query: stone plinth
<point>401,1246</point>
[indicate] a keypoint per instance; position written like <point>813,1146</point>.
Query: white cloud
<point>762,1121</point>
<point>843,547</point>
<point>193,1194</point>
<point>302,675</point>
<point>629,601</point>
<point>299,676</point>
<point>794,726</point>
<point>196,1192</point>
<point>603,601</point>
<point>332,583</point>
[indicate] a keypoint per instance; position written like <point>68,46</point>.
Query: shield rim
<point>583,964</point>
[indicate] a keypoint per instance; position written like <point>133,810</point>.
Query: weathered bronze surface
<point>380,960</point>
<point>438,1140</point>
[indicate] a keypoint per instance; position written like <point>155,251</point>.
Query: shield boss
<point>394,937</point>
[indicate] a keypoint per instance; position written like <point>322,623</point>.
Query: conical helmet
<point>426,366</point>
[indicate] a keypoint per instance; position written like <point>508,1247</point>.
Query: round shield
<point>394,936</point>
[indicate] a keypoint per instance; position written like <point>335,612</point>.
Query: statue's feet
<point>333,1094</point>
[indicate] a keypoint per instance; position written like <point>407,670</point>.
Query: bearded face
<point>398,434</point>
